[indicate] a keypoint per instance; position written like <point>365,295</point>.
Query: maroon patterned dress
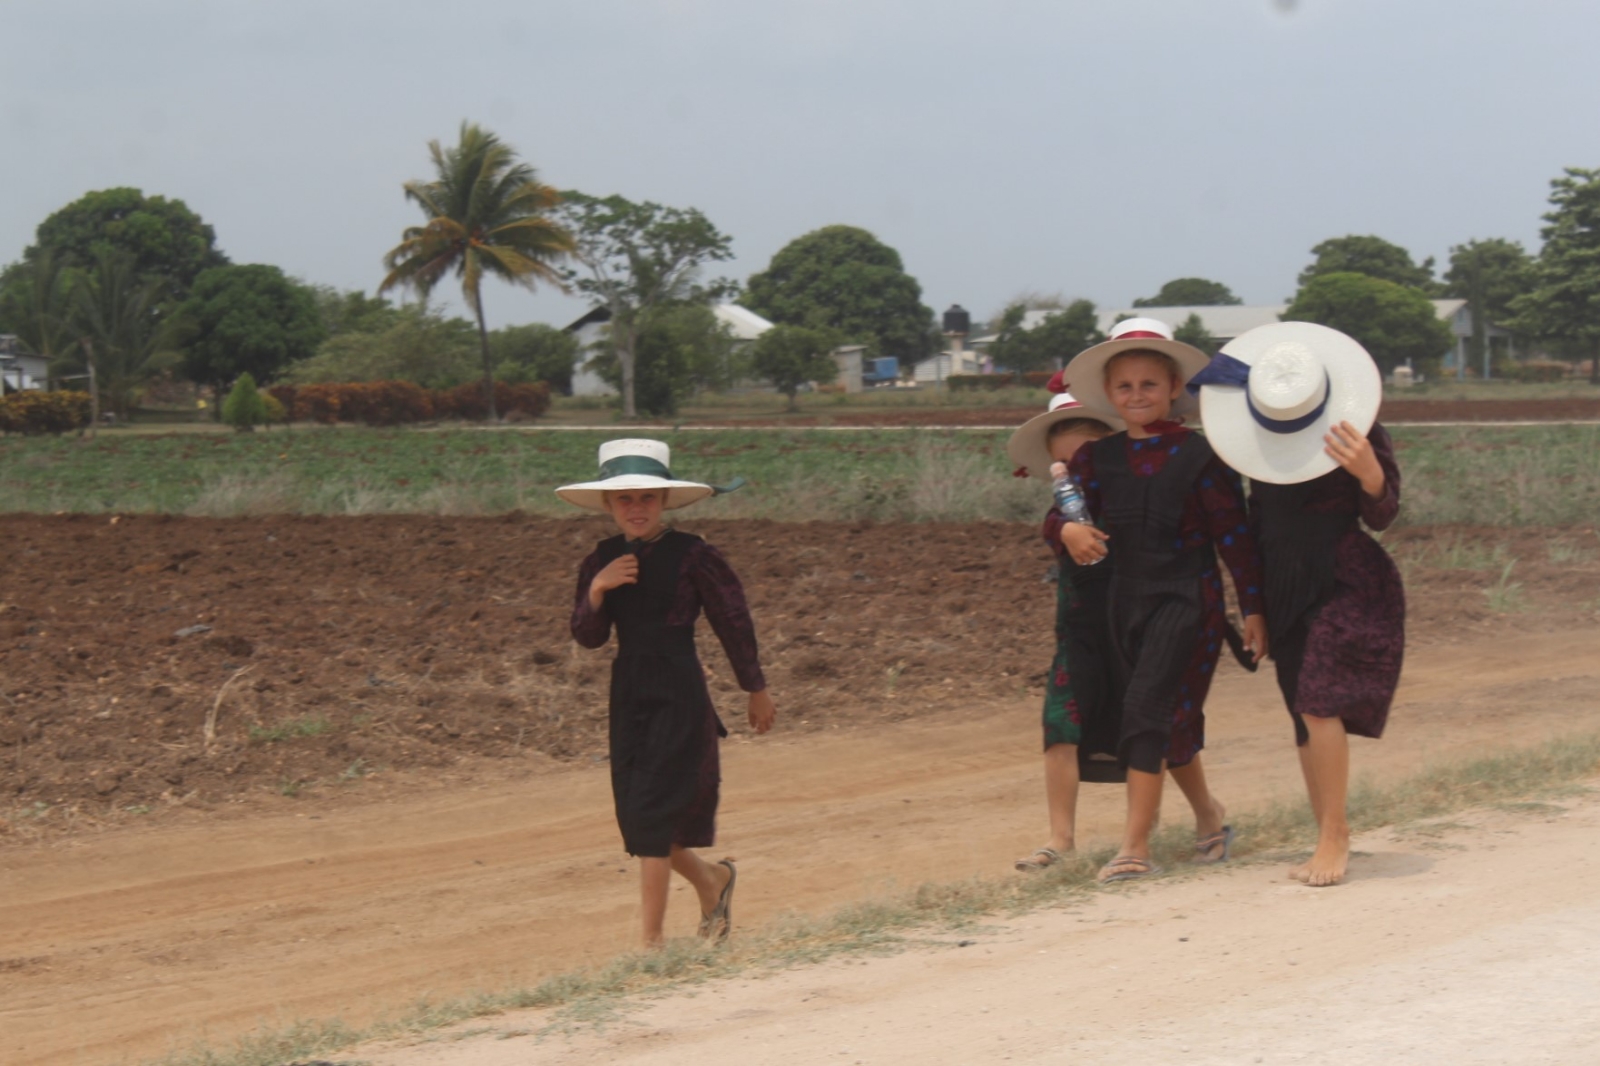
<point>1212,519</point>
<point>665,771</point>
<point>1335,602</point>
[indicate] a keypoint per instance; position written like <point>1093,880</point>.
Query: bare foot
<point>1328,862</point>
<point>1298,872</point>
<point>1212,825</point>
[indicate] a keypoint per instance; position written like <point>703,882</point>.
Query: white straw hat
<point>1086,374</point>
<point>1029,446</point>
<point>638,464</point>
<point>1273,392</point>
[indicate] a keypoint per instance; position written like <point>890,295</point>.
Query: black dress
<point>665,771</point>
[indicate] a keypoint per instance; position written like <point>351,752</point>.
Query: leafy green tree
<point>423,346</point>
<point>1564,304</point>
<point>1393,322</point>
<point>120,336</point>
<point>791,356</point>
<point>534,352</point>
<point>844,279</point>
<point>248,319</point>
<point>352,311</point>
<point>1489,275</point>
<point>1190,292</point>
<point>162,239</point>
<point>486,214</point>
<point>245,408</point>
<point>682,348</point>
<point>1061,335</point>
<point>1372,256</point>
<point>636,258</point>
<point>1192,330</point>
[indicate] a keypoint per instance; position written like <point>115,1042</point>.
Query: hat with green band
<point>635,465</point>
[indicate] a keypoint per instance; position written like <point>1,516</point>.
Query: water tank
<point>957,320</point>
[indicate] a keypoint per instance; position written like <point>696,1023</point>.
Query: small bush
<point>1536,372</point>
<point>276,412</point>
<point>244,409</point>
<point>32,413</point>
<point>397,403</point>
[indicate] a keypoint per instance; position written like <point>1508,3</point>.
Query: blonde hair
<point>1083,425</point>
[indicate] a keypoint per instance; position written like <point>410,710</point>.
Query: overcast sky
<point>1093,148</point>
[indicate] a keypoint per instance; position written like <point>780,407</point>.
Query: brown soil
<point>402,797</point>
<point>1394,412</point>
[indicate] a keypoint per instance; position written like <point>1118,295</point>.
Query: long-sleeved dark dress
<point>665,771</point>
<point>1335,603</point>
<point>1167,620</point>
<point>1082,700</point>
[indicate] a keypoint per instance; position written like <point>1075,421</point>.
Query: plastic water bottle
<point>1069,498</point>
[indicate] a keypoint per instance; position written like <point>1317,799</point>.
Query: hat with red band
<point>1029,446</point>
<point>1086,374</point>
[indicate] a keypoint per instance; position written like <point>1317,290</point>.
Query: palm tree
<point>123,337</point>
<point>485,215</point>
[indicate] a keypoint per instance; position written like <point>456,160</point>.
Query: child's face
<point>637,511</point>
<point>1063,446</point>
<point>1142,389</point>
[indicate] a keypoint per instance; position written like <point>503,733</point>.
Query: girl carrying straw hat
<point>652,583</point>
<point>1293,406</point>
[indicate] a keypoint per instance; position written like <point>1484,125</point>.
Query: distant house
<point>848,359</point>
<point>590,330</point>
<point>1225,322</point>
<point>937,368</point>
<point>20,371</point>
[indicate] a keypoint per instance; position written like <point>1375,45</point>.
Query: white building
<point>20,371</point>
<point>743,324</point>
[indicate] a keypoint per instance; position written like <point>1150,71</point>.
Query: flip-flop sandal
<point>1203,848</point>
<point>1134,869</point>
<point>719,923</point>
<point>1032,863</point>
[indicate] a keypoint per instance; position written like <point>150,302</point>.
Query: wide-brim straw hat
<point>1085,375</point>
<point>1029,446</point>
<point>637,464</point>
<point>1272,394</point>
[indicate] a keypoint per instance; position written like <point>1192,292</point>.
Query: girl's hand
<point>1255,635</point>
<point>1351,450</point>
<point>1084,543</point>
<point>623,570</point>
<point>763,712</point>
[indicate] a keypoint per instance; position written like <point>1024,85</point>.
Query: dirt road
<point>1441,948</point>
<point>133,943</point>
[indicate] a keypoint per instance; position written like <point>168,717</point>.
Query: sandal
<point>1032,863</point>
<point>1127,868</point>
<point>719,923</point>
<point>1204,847</point>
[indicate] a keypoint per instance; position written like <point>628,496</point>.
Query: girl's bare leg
<point>655,876</point>
<point>1209,813</point>
<point>1144,801</point>
<point>1061,794</point>
<point>1308,770</point>
<point>1326,757</point>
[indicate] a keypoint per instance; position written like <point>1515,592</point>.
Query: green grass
<point>1522,781</point>
<point>1546,475</point>
<point>290,729</point>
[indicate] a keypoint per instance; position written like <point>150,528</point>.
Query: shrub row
<point>44,412</point>
<point>394,403</point>
<point>980,382</point>
<point>1534,372</point>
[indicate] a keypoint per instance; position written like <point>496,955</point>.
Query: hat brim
<point>591,495</point>
<point>1085,376</point>
<point>1029,445</point>
<point>1355,393</point>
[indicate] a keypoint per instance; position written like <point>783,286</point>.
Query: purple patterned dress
<point>1335,602</point>
<point>665,771</point>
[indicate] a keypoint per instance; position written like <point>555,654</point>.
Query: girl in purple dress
<point>1293,407</point>
<point>651,583</point>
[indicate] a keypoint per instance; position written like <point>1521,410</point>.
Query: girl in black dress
<point>652,583</point>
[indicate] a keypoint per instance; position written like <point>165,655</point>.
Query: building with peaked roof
<point>744,325</point>
<point>20,371</point>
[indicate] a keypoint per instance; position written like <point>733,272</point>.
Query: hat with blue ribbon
<point>1271,394</point>
<point>635,465</point>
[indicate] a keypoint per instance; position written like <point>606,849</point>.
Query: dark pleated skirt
<point>665,770</point>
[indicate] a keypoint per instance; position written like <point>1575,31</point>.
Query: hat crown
<point>1141,325</point>
<point>648,449</point>
<point>1062,400</point>
<point>1288,381</point>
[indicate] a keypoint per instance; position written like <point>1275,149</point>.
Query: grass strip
<point>890,924</point>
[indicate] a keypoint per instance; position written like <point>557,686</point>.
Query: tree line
<point>133,289</point>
